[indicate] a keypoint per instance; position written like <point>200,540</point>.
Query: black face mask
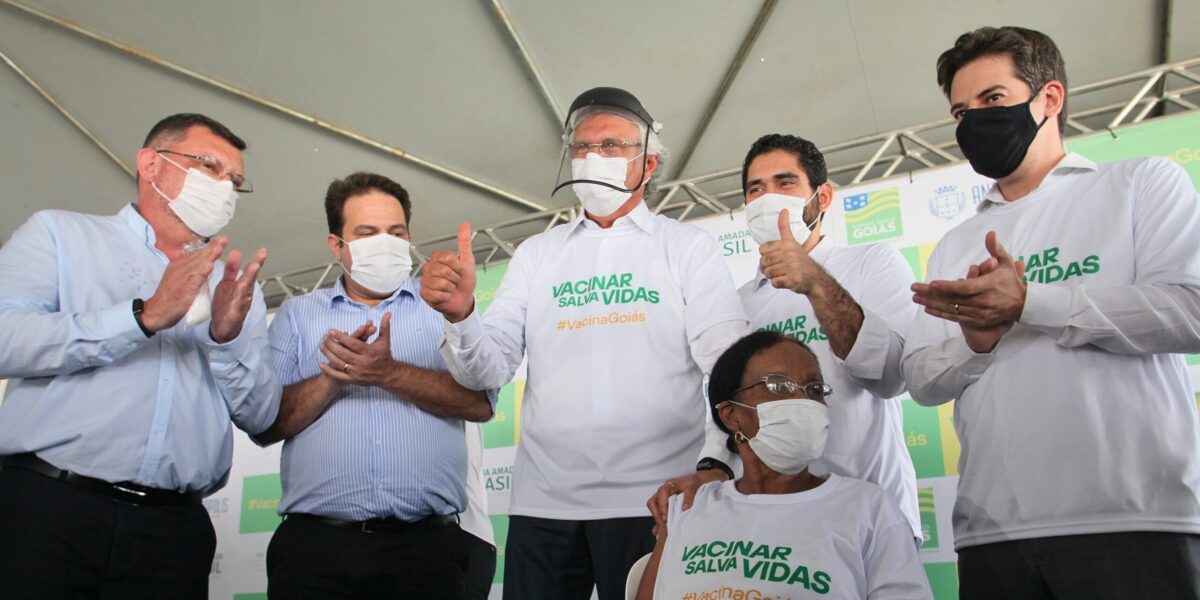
<point>996,139</point>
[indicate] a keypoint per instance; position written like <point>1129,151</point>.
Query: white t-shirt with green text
<point>844,539</point>
<point>1082,420</point>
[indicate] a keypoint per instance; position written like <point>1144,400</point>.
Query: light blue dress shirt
<point>371,454</point>
<point>88,391</point>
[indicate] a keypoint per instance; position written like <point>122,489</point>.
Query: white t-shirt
<point>474,519</point>
<point>1081,420</point>
<point>611,322</point>
<point>866,423</point>
<point>842,539</point>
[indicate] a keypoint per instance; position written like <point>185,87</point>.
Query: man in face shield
<point>620,313</point>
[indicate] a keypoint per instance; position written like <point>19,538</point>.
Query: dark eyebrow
<point>777,176</point>
<point>985,93</point>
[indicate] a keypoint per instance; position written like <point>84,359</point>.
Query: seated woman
<point>779,531</point>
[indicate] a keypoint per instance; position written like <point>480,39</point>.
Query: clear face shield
<point>604,153</point>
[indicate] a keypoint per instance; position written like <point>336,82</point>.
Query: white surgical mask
<point>380,263</point>
<point>205,205</point>
<point>762,215</point>
<point>601,200</point>
<point>791,433</point>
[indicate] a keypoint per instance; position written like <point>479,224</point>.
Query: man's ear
<point>1055,95</point>
<point>824,196</point>
<point>335,246</point>
<point>147,164</point>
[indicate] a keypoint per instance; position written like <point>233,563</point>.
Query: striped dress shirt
<point>371,454</point>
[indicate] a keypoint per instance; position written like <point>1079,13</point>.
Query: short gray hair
<point>654,146</point>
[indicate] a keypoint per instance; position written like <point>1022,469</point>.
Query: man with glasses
<point>849,305</point>
<point>620,312</point>
<point>131,349</point>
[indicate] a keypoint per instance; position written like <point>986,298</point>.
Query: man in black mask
<point>1080,467</point>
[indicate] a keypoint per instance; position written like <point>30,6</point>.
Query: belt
<point>124,491</point>
<point>390,525</point>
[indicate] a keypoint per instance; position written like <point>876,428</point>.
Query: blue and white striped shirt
<point>88,392</point>
<point>371,454</point>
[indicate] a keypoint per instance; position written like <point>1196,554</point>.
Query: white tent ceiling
<point>444,81</point>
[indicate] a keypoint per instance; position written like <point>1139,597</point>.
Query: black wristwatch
<point>706,464</point>
<point>138,306</point>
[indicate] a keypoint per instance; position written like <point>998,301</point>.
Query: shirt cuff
<point>1047,308</point>
<point>466,333</point>
<point>231,352</point>
<point>869,354</point>
<point>120,327</point>
<point>967,361</point>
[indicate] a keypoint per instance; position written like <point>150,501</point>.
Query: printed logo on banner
<point>502,430</point>
<point>736,243</point>
<point>500,531</point>
<point>260,500</point>
<point>918,259</point>
<point>873,216</point>
<point>216,506</point>
<point>497,479</point>
<point>923,436</point>
<point>487,281</point>
<point>947,202</point>
<point>943,580</point>
<point>929,531</point>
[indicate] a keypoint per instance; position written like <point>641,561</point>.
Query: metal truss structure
<point>1168,89</point>
<point>1109,105</point>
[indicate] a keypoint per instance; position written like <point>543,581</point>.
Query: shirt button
<point>379,486</point>
<point>376,403</point>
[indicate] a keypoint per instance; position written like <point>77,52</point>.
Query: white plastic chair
<point>635,577</point>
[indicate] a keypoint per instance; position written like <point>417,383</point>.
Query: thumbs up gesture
<point>448,283</point>
<point>786,262</point>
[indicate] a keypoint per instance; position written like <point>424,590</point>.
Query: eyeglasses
<point>608,148</point>
<point>216,169</point>
<point>783,387</point>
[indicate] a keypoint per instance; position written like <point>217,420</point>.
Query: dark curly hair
<point>806,153</point>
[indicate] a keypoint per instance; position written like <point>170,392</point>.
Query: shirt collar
<point>640,216</point>
<point>409,286</point>
<point>1069,165</point>
<point>138,225</point>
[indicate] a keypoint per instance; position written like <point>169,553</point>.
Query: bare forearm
<point>437,392</point>
<point>840,316</point>
<point>301,404</point>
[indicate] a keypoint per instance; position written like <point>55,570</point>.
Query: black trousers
<point>308,559</point>
<point>550,558</point>
<point>60,541</point>
<point>1154,565</point>
<point>481,568</point>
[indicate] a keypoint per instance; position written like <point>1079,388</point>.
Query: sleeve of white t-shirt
<point>892,564</point>
<point>484,353</point>
<point>714,318</point>
<point>709,299</point>
<point>936,363</point>
<point>888,309</point>
<point>1160,311</point>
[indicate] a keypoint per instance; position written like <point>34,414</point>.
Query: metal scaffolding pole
<point>66,113</point>
<point>276,106</point>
